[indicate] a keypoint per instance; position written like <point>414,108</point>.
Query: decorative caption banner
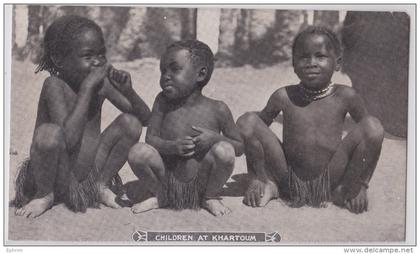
<point>143,236</point>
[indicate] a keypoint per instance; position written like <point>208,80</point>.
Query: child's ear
<point>339,63</point>
<point>57,61</point>
<point>202,74</point>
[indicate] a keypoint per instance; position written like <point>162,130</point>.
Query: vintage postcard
<point>209,125</point>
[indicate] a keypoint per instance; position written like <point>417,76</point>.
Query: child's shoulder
<point>53,86</point>
<point>53,82</point>
<point>345,91</point>
<point>283,92</point>
<point>217,105</point>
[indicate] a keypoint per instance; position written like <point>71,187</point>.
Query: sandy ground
<point>243,89</point>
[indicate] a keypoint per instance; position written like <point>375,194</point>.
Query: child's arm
<point>230,131</point>
<point>273,107</point>
<point>356,106</point>
<point>120,92</point>
<point>182,147</point>
<point>72,120</point>
<point>358,111</point>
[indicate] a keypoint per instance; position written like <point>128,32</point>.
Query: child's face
<point>87,51</point>
<point>178,77</point>
<point>314,61</point>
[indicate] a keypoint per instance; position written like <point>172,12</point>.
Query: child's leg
<point>148,166</point>
<point>112,153</point>
<point>216,167</point>
<point>265,158</point>
<point>47,154</point>
<point>354,162</point>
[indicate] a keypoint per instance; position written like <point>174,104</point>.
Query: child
<point>191,139</point>
<point>314,161</point>
<point>70,159</point>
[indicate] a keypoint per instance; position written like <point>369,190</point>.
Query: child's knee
<point>130,125</point>
<point>246,123</point>
<point>141,154</point>
<point>224,153</point>
<point>372,129</point>
<point>48,137</point>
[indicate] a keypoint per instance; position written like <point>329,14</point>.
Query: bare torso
<point>177,123</point>
<point>312,131</point>
<point>83,154</point>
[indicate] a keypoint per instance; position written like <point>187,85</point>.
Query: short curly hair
<point>58,38</point>
<point>200,54</point>
<point>319,30</point>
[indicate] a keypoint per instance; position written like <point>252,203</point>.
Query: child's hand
<point>254,193</point>
<point>120,79</point>
<point>205,139</point>
<point>94,81</point>
<point>185,147</point>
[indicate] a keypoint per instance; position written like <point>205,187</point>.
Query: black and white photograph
<point>209,124</point>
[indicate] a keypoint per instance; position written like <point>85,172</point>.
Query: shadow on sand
<point>237,187</point>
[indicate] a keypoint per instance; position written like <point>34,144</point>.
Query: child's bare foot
<point>148,204</point>
<point>36,207</point>
<point>357,204</point>
<point>260,193</point>
<point>215,207</point>
<point>270,192</point>
<point>107,197</point>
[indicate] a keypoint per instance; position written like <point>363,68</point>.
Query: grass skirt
<point>84,194</point>
<point>78,196</point>
<point>182,195</point>
<point>313,193</point>
<point>25,185</point>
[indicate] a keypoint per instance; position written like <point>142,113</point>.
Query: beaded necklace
<point>312,95</point>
